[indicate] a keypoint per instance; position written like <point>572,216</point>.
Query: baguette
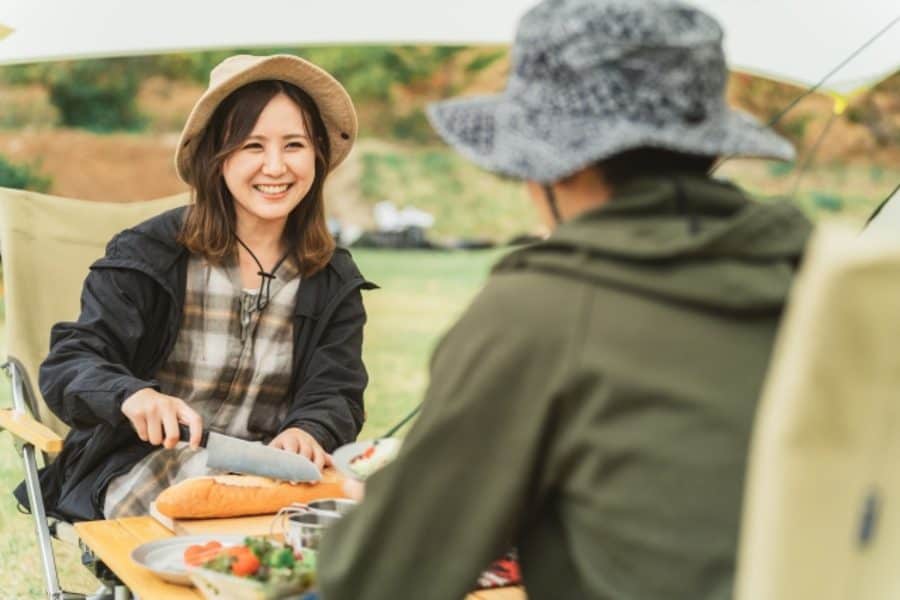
<point>223,496</point>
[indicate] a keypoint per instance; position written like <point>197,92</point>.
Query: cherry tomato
<point>244,562</point>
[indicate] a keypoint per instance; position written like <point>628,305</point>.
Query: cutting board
<point>257,525</point>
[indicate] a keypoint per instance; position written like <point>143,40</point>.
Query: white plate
<point>343,455</point>
<point>166,557</point>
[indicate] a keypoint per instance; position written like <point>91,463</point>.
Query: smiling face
<point>272,170</point>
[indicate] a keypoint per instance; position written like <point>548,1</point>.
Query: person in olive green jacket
<point>593,405</point>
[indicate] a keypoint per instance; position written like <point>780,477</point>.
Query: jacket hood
<point>152,242</point>
<point>682,238</point>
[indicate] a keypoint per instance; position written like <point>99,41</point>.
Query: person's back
<point>665,336</point>
<point>593,405</point>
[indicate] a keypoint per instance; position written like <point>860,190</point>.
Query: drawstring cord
<point>683,208</point>
<point>551,201</point>
<point>265,285</point>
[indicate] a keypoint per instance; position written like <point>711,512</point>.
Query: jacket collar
<point>684,215</point>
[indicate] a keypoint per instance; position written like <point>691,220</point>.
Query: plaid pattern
<point>230,362</point>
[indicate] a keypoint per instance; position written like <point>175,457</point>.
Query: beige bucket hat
<point>234,72</point>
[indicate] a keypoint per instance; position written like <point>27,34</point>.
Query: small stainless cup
<point>331,506</point>
<point>305,530</point>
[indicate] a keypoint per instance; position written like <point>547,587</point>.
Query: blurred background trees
<point>22,177</point>
<point>392,83</point>
<point>106,129</point>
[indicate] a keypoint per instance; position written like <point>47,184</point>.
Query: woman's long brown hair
<point>210,226</point>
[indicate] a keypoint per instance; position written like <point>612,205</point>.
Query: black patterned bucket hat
<point>593,78</point>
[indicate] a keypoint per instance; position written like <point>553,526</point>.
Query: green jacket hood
<point>681,238</point>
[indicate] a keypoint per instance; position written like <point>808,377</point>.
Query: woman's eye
<point>296,145</point>
<point>253,146</point>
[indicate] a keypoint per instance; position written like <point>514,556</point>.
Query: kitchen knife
<point>235,455</point>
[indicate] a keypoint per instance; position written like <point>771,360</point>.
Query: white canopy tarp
<point>796,40</point>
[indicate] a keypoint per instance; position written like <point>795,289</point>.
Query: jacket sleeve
<point>89,370</point>
<point>454,498</point>
<point>329,402</point>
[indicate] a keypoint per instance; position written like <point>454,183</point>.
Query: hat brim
<point>501,136</point>
<point>333,101</point>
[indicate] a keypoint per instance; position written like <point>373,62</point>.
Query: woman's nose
<point>273,165</point>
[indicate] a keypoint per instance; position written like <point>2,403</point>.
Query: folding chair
<point>48,244</point>
<point>822,505</point>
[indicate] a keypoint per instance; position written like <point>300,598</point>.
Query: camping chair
<point>822,504</point>
<point>47,244</point>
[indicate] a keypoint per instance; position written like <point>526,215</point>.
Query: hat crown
<point>620,24</point>
<point>231,66</point>
<point>656,60</point>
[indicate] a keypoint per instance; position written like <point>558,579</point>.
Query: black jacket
<point>131,310</point>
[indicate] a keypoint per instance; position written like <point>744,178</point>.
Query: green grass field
<point>422,294</point>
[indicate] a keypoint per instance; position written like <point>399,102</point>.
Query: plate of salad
<point>358,460</point>
<point>256,569</point>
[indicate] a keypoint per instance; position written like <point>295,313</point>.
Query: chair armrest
<point>28,429</point>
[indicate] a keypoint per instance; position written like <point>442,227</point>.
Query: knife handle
<point>184,434</point>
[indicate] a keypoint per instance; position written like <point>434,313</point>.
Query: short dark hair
<point>625,166</point>
<point>209,227</point>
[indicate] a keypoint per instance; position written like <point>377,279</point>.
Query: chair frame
<point>30,435</point>
<point>33,486</point>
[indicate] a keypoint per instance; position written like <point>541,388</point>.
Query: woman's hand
<point>298,441</point>
<point>155,418</point>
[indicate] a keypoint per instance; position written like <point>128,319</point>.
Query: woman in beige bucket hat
<point>235,314</point>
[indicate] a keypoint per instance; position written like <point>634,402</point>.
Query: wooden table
<point>112,542</point>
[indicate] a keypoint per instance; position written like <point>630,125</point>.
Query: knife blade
<point>235,455</point>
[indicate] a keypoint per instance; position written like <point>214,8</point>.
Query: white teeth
<point>272,189</point>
